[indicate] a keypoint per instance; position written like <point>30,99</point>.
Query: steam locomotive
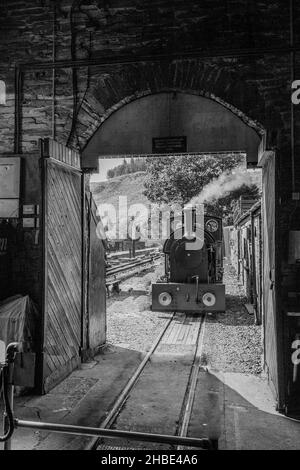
<point>193,274</point>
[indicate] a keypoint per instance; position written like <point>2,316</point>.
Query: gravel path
<point>232,341</point>
<point>130,322</point>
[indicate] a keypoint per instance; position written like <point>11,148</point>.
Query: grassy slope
<point>131,185</point>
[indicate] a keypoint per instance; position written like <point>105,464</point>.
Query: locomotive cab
<point>192,281</point>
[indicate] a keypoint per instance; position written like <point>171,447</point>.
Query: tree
<point>178,179</point>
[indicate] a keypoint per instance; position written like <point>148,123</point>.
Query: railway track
<point>182,333</point>
<point>117,274</point>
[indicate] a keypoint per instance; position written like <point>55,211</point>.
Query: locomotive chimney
<point>189,212</point>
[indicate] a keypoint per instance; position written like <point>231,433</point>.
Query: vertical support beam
<point>292,62</point>
<point>282,347</point>
<point>53,70</point>
<point>10,386</point>
<point>43,330</point>
<point>18,110</point>
<point>272,305</point>
<point>84,261</point>
<point>88,270</point>
<point>253,268</point>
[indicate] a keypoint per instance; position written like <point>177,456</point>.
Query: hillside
<point>130,185</point>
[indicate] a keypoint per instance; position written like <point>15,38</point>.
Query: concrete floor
<point>83,398</point>
<point>238,408</point>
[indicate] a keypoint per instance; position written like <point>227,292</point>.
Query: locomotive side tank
<point>193,277</point>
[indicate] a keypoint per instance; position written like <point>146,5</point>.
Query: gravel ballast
<point>130,322</point>
<point>232,342</point>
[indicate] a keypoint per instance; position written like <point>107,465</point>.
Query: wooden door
<point>62,215</point>
<point>96,286</point>
<point>271,324</point>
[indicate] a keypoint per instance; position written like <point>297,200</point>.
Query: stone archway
<point>217,80</point>
<point>209,125</point>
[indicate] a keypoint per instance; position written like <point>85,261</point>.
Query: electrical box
<point>9,187</point>
<point>9,208</point>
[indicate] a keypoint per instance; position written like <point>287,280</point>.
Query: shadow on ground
<point>237,408</point>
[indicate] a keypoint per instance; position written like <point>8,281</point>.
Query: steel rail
<point>123,277</point>
<point>127,266</point>
<point>117,277</point>
<point>141,252</point>
<point>110,418</point>
<point>203,443</point>
<point>124,266</point>
<point>188,400</point>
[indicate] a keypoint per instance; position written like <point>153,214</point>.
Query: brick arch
<point>108,92</point>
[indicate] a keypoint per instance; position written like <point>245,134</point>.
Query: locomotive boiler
<point>193,277</point>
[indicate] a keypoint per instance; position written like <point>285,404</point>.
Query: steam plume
<point>225,183</point>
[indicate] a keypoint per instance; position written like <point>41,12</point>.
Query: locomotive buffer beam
<point>174,296</point>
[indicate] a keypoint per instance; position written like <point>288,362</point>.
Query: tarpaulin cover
<point>18,316</point>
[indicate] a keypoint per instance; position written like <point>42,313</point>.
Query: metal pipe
<point>133,59</point>
<point>53,70</point>
<point>203,443</point>
<point>18,84</point>
<point>74,72</point>
<point>7,443</point>
<point>8,386</point>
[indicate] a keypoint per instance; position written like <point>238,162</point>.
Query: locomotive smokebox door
<point>187,263</point>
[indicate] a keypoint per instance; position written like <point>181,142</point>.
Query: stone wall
<point>258,86</point>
